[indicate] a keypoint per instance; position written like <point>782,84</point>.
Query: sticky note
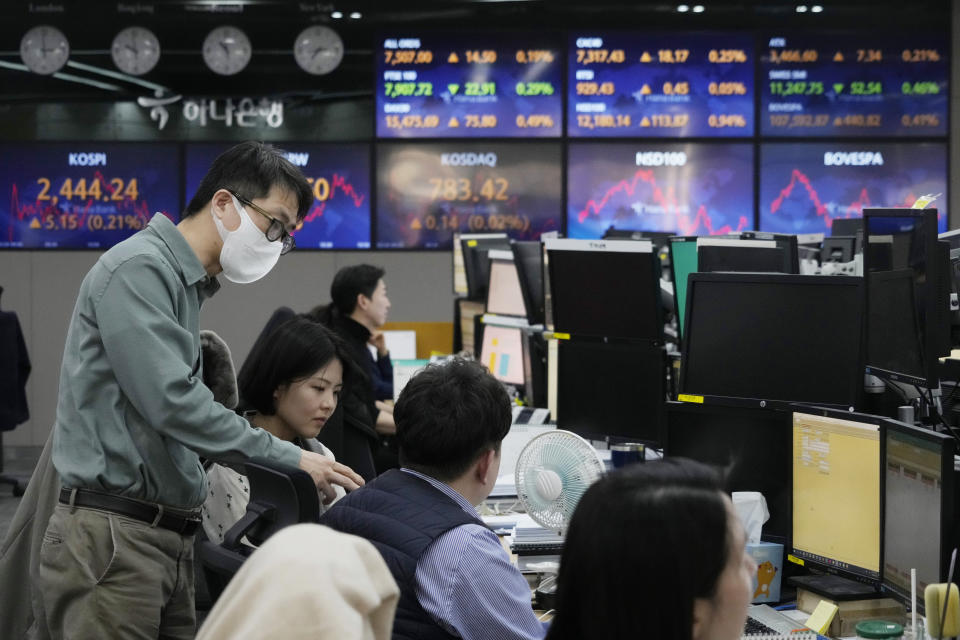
<point>822,616</point>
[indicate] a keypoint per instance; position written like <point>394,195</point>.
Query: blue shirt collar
<point>449,491</point>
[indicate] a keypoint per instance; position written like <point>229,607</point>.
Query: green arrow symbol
<point>453,88</point>
<point>838,87</point>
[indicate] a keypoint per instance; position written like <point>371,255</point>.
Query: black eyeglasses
<point>276,231</point>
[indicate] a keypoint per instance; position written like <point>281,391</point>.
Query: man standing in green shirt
<point>133,414</point>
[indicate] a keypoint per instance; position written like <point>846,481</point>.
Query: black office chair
<point>279,496</point>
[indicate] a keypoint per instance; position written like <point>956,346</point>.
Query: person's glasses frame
<point>276,231</point>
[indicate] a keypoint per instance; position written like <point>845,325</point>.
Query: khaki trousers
<point>103,575</point>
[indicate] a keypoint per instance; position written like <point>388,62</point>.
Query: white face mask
<point>246,255</point>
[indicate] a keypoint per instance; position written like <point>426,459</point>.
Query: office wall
<point>41,287</point>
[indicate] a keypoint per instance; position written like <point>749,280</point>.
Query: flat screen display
<point>490,84</point>
<point>340,177</point>
<point>502,353</point>
<point>853,85</point>
<point>84,195</point>
<point>686,189</point>
<point>681,84</point>
<point>428,191</point>
<point>805,187</point>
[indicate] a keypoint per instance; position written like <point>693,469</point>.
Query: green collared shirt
<point>133,414</point>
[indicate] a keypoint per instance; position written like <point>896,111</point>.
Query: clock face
<point>44,49</point>
<point>227,50</point>
<point>135,50</point>
<point>318,49</point>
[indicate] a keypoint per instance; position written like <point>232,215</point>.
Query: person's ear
<point>483,466</point>
<point>222,206</point>
<point>362,302</point>
<point>701,615</point>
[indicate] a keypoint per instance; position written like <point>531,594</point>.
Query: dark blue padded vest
<point>401,515</point>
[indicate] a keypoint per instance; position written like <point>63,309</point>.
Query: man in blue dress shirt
<point>455,578</point>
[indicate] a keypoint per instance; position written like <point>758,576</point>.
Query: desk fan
<point>553,472</point>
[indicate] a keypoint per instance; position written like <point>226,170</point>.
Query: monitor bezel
<point>854,282</point>
<point>948,505</point>
<point>535,307</point>
<point>503,257</point>
<point>928,218</point>
<point>853,416</point>
<point>471,264</point>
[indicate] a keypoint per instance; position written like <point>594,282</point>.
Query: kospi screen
<point>682,84</point>
<point>84,195</point>
<point>428,191</point>
<point>854,85</point>
<point>490,84</point>
<point>683,188</point>
<point>339,174</point>
<point>804,187</point>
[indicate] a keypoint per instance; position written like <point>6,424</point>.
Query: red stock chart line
<point>685,225</point>
<point>852,210</point>
<point>343,185</point>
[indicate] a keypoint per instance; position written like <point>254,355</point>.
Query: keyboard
<point>765,620</point>
<point>755,627</point>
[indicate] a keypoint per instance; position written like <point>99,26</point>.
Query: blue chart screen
<point>652,85</point>
<point>340,176</point>
<point>854,86</point>
<point>688,189</point>
<point>469,85</point>
<point>804,187</point>
<point>426,192</point>
<point>84,195</point>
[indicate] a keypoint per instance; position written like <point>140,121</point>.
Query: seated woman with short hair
<point>654,550</point>
<point>289,385</point>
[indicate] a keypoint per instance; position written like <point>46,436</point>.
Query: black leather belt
<point>152,514</point>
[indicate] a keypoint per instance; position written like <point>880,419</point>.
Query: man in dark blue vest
<point>456,580</point>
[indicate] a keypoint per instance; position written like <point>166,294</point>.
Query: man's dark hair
<point>448,415</point>
<point>662,519</point>
<point>293,351</point>
<point>249,170</point>
<point>352,281</point>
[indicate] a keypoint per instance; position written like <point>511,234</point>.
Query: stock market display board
<point>469,85</point>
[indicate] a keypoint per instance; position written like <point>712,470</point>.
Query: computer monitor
<point>683,262</point>
<point>920,500</point>
<point>846,226</point>
<point>838,249</point>
<point>750,445</point>
<point>534,368</point>
<point>502,353</point>
<point>951,237</point>
<point>528,257</point>
<point>837,499</point>
<point>749,254</point>
<point>906,239</point>
<point>894,346</point>
<point>504,297</point>
<point>611,390</point>
<point>605,288</point>
<point>762,338</point>
<point>476,263</point>
<point>660,239</point>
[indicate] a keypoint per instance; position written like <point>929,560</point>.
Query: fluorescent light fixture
<point>816,8</point>
<point>801,8</point>
<point>64,76</point>
<point>698,8</point>
<point>682,8</point>
<point>117,76</point>
<point>356,15</point>
<point>336,15</point>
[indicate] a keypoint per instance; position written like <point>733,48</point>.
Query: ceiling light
<point>682,8</point>
<point>336,15</point>
<point>698,8</point>
<point>816,8</point>
<point>801,8</point>
<point>355,15</point>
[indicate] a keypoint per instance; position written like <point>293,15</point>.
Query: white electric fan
<point>553,472</point>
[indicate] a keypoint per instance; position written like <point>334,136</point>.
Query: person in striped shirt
<point>455,578</point>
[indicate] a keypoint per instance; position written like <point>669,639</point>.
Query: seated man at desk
<point>455,579</point>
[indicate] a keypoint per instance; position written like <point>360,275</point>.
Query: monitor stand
<point>835,588</point>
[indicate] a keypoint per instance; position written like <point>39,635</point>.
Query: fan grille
<point>572,459</point>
